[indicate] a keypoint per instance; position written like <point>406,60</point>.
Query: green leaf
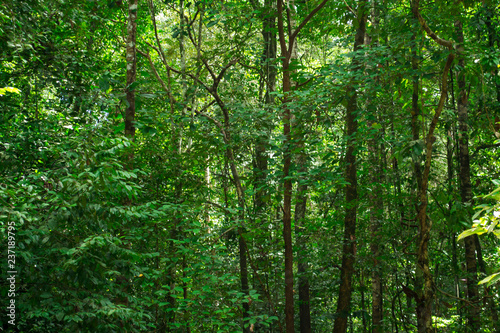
<point>60,316</point>
<point>9,89</point>
<point>490,279</point>
<point>119,128</point>
<point>470,232</point>
<point>148,130</point>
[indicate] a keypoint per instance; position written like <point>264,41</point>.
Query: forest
<point>272,166</point>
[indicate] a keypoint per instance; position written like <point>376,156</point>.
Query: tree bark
<point>425,295</point>
<point>415,128</point>
<point>286,53</point>
<point>131,70</point>
<point>287,47</point>
<point>351,193</point>
<point>302,266</point>
<point>465,183</point>
<point>376,215</point>
<point>375,196</point>
<point>492,40</point>
<point>415,112</point>
<point>241,216</point>
<point>267,87</point>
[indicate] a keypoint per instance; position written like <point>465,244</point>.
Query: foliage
<point>150,233</point>
<point>486,224</point>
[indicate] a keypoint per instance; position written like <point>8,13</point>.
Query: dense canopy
<point>250,166</point>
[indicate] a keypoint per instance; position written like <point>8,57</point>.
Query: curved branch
<point>153,68</point>
<point>304,22</point>
<point>446,43</point>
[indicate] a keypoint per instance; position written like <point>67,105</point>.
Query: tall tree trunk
<point>241,230</point>
<point>268,86</point>
<point>450,139</point>
<point>243,274</point>
<point>241,217</point>
<point>297,136</point>
<point>302,257</point>
<point>269,54</point>
<point>492,40</point>
<point>415,128</point>
<point>425,295</point>
<point>286,54</point>
<point>465,183</point>
<point>287,46</point>
<point>131,70</point>
<point>376,215</point>
<point>287,205</point>
<point>375,196</point>
<point>351,192</point>
<point>415,112</point>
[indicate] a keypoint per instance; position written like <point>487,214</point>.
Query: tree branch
<point>304,22</point>
<point>207,66</point>
<point>281,30</point>
<point>221,74</point>
<point>485,146</point>
<point>217,123</point>
<point>430,33</point>
<point>153,68</point>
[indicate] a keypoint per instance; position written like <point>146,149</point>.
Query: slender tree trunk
<point>492,40</point>
<point>131,70</point>
<point>298,135</point>
<point>131,74</point>
<point>375,196</point>
<point>376,215</point>
<point>269,54</point>
<point>415,127</point>
<point>243,275</point>
<point>415,112</point>
<point>287,210</point>
<point>351,192</point>
<point>287,46</point>
<point>490,298</point>
<point>241,217</point>
<point>465,183</point>
<point>267,87</point>
<point>302,257</point>
<point>425,295</point>
<point>451,129</point>
<point>241,230</point>
<point>287,184</point>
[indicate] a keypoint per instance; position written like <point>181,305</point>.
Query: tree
<point>216,182</point>
<point>351,194</point>
<point>465,183</point>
